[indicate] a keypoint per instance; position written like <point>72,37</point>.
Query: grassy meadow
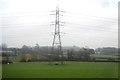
<point>68,70</point>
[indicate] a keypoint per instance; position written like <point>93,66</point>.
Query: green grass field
<point>105,56</point>
<point>68,70</point>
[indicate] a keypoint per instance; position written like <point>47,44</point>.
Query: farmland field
<point>106,56</point>
<point>68,70</point>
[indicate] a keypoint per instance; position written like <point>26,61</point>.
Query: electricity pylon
<point>56,52</point>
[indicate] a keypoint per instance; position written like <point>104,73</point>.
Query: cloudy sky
<point>91,23</point>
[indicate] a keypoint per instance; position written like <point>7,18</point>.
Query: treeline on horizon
<point>42,53</point>
<point>47,49</point>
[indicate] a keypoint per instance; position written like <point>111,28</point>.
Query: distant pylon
<point>56,52</point>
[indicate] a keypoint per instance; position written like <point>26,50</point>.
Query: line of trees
<point>38,53</point>
<point>108,51</point>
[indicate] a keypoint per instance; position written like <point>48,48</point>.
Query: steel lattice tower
<point>57,53</point>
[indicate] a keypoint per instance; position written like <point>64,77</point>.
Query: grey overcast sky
<point>91,23</point>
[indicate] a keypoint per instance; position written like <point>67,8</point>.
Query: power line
<point>22,25</point>
<point>89,27</point>
<point>22,16</point>
<point>70,13</point>
<point>19,13</point>
<point>91,38</point>
<point>78,17</point>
